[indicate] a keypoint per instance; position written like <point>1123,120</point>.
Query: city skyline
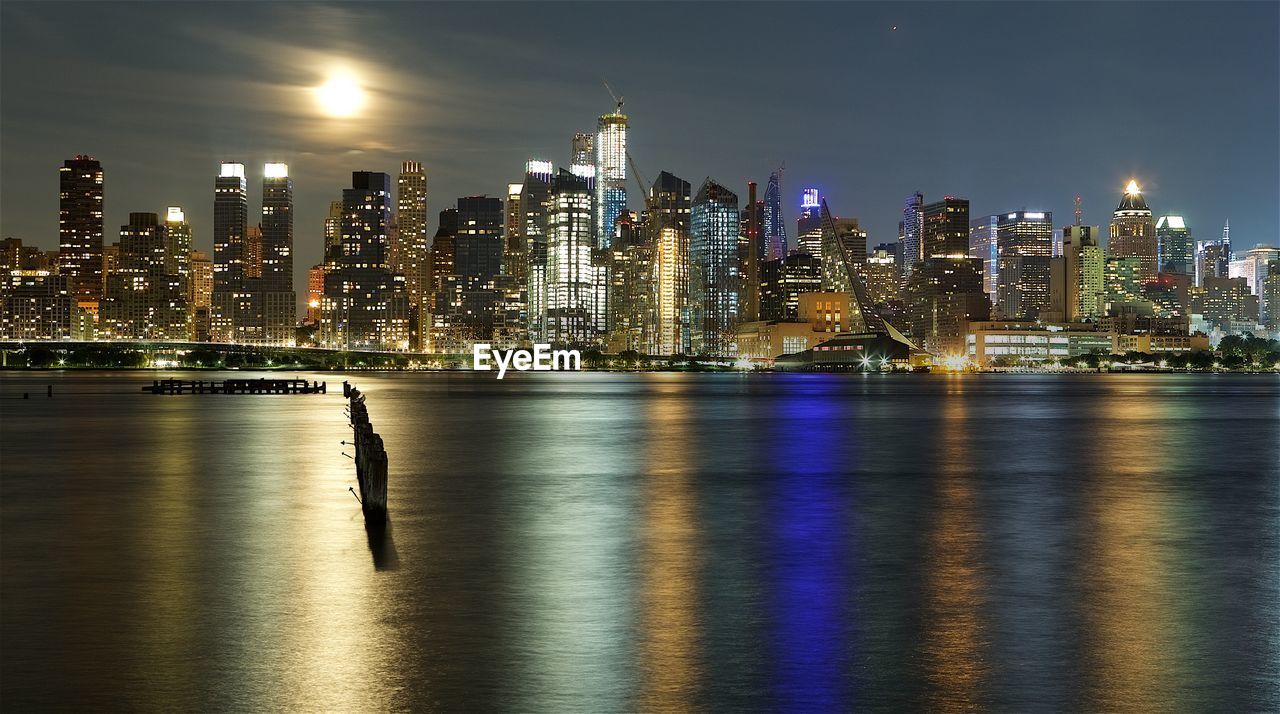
<point>865,170</point>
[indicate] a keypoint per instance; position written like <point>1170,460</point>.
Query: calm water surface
<point>616,542</point>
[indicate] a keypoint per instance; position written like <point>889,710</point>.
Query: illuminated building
<point>912,250</point>
<point>201,294</point>
<point>1084,263</point>
<point>145,297</point>
<point>1123,278</point>
<point>611,173</point>
<point>715,283</point>
<point>631,290</point>
<point>983,244</point>
<point>80,205</point>
<point>230,229</point>
<point>365,303</point>
<point>752,251</point>
<point>275,286</point>
<point>809,224</point>
<point>35,305</point>
<point>1175,246</point>
<point>315,293</point>
<point>15,256</point>
<point>774,227</point>
<point>1226,302</point>
<point>178,251</point>
<point>1254,266</point>
<point>819,316</point>
<point>572,299</point>
<point>1133,233</point>
<point>514,262</point>
<point>1271,299</point>
<point>467,301</point>
<point>412,233</point>
<point>946,289</point>
<point>535,195</point>
<point>880,275</point>
<point>1024,244</point>
<point>782,281</point>
<point>252,256</point>
<point>672,202</point>
<point>1010,343</point>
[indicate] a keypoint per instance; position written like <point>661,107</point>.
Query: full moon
<point>340,96</point>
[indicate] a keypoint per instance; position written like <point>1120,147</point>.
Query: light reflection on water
<point>618,542</point>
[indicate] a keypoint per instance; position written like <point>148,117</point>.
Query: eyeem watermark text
<point>541,359</point>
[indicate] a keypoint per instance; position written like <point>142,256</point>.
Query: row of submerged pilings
<point>370,458</point>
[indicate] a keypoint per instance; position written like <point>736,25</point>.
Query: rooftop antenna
<point>1079,210</point>
<point>616,99</point>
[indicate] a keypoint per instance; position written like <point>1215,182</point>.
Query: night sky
<point>1011,105</point>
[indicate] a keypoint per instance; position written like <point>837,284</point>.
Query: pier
<point>235,386</point>
<point>370,458</point>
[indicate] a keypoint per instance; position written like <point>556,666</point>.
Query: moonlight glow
<point>340,96</point>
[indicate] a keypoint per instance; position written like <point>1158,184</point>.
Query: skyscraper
<point>983,244</point>
<point>275,287</point>
<point>753,250</point>
<point>670,197</point>
<point>1025,245</point>
<point>228,310</point>
<point>365,302</point>
<point>715,284</point>
<point>809,224</point>
<point>411,228</point>
<point>467,305</point>
<point>571,276</point>
<point>1084,273</point>
<point>775,227</point>
<point>178,246</point>
<point>782,281</point>
<point>611,173</point>
<point>912,250</point>
<point>535,196</point>
<point>945,288</point>
<point>1174,245</point>
<point>1133,233</point>
<point>80,205</point>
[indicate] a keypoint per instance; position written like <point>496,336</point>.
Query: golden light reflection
<point>1127,589</point>
<point>955,629</point>
<point>670,627</point>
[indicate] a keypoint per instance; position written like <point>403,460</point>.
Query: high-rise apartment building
<point>145,297</point>
<point>80,205</point>
<point>715,283</point>
<point>365,301</point>
<point>1084,263</point>
<point>1175,246</point>
<point>412,233</point>
<point>809,223</point>
<point>1024,246</point>
<point>672,202</point>
<point>945,288</point>
<point>782,281</point>
<point>232,309</point>
<point>276,296</point>
<point>983,244</point>
<point>912,246</point>
<point>1133,233</point>
<point>611,173</point>
<point>572,298</point>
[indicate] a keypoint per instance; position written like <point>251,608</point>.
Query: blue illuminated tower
<point>775,228</point>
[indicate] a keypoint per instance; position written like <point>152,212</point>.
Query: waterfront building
<point>1024,246</point>
<point>178,245</point>
<point>819,316</point>
<point>80,206</point>
<point>753,251</point>
<point>276,296</point>
<point>715,283</point>
<point>201,296</point>
<point>631,289</point>
<point>1123,277</point>
<point>1254,266</point>
<point>611,173</point>
<point>670,197</point>
<point>1012,343</point>
<point>1133,233</point>
<point>1226,303</point>
<point>774,226</point>
<point>36,304</point>
<point>1084,270</point>
<point>1175,246</point>
<point>315,293</point>
<point>1271,299</point>
<point>572,299</point>
<point>880,275</point>
<point>365,304</point>
<point>145,298</point>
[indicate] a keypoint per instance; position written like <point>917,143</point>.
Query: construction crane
<point>616,99</point>
<point>650,203</point>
